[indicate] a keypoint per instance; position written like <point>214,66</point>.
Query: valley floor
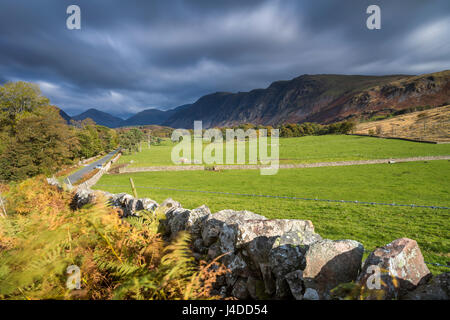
<point>308,149</point>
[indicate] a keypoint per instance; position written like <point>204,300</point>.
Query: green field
<point>311,149</point>
<point>421,183</point>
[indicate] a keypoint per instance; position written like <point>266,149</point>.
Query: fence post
<point>133,188</point>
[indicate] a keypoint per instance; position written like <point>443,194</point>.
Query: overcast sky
<point>134,55</point>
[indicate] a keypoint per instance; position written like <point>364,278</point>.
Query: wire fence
<point>283,197</point>
<point>437,264</point>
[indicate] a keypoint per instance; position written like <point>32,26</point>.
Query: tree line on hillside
<point>130,138</point>
<point>290,130</point>
<point>35,139</point>
<point>311,128</point>
<point>153,130</point>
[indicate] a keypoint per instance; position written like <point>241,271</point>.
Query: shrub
<point>118,258</point>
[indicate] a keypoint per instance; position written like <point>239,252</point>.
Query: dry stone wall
<point>286,258</point>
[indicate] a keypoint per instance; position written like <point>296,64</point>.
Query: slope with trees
<point>35,139</point>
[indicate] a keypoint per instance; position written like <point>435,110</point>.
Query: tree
<point>130,139</point>
<point>42,144</point>
<point>90,143</point>
<point>34,138</point>
<point>108,138</point>
<point>18,99</point>
<point>347,127</point>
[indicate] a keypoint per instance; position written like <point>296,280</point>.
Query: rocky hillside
<point>322,98</point>
<point>430,125</point>
<point>316,98</point>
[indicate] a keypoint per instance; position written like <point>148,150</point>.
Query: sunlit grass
<point>309,150</point>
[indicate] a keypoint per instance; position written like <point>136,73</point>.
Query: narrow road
<point>80,173</point>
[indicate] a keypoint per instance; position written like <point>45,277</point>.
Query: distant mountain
<point>151,116</point>
<point>100,117</point>
<point>65,116</point>
<point>146,117</point>
<point>323,98</point>
<point>315,98</point>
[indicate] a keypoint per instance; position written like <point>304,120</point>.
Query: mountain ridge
<point>322,98</point>
<point>151,116</point>
<point>315,98</point>
<point>145,117</point>
<point>99,117</point>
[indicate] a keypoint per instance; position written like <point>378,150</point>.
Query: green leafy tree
<point>17,99</point>
<point>42,144</point>
<point>130,139</point>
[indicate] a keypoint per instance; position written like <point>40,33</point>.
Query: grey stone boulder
<point>436,289</point>
<point>258,238</point>
<point>330,263</point>
<point>131,206</point>
<point>288,251</point>
<point>401,268</point>
<point>169,204</point>
<point>268,278</point>
<point>311,294</point>
<point>240,289</point>
<point>83,197</point>
<point>282,290</point>
<point>294,280</point>
<point>176,220</point>
<point>287,255</point>
<point>219,233</point>
<point>213,226</point>
<point>126,202</point>
<point>146,204</point>
<point>180,219</point>
<point>121,199</point>
<point>247,243</point>
<point>117,199</point>
<point>237,267</point>
<point>254,228</point>
<point>223,292</point>
<point>252,287</point>
<point>213,251</point>
<point>199,247</point>
<point>197,219</point>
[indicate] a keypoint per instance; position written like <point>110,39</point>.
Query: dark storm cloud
<point>133,55</point>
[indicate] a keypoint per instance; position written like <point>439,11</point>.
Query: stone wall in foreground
<point>286,258</point>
